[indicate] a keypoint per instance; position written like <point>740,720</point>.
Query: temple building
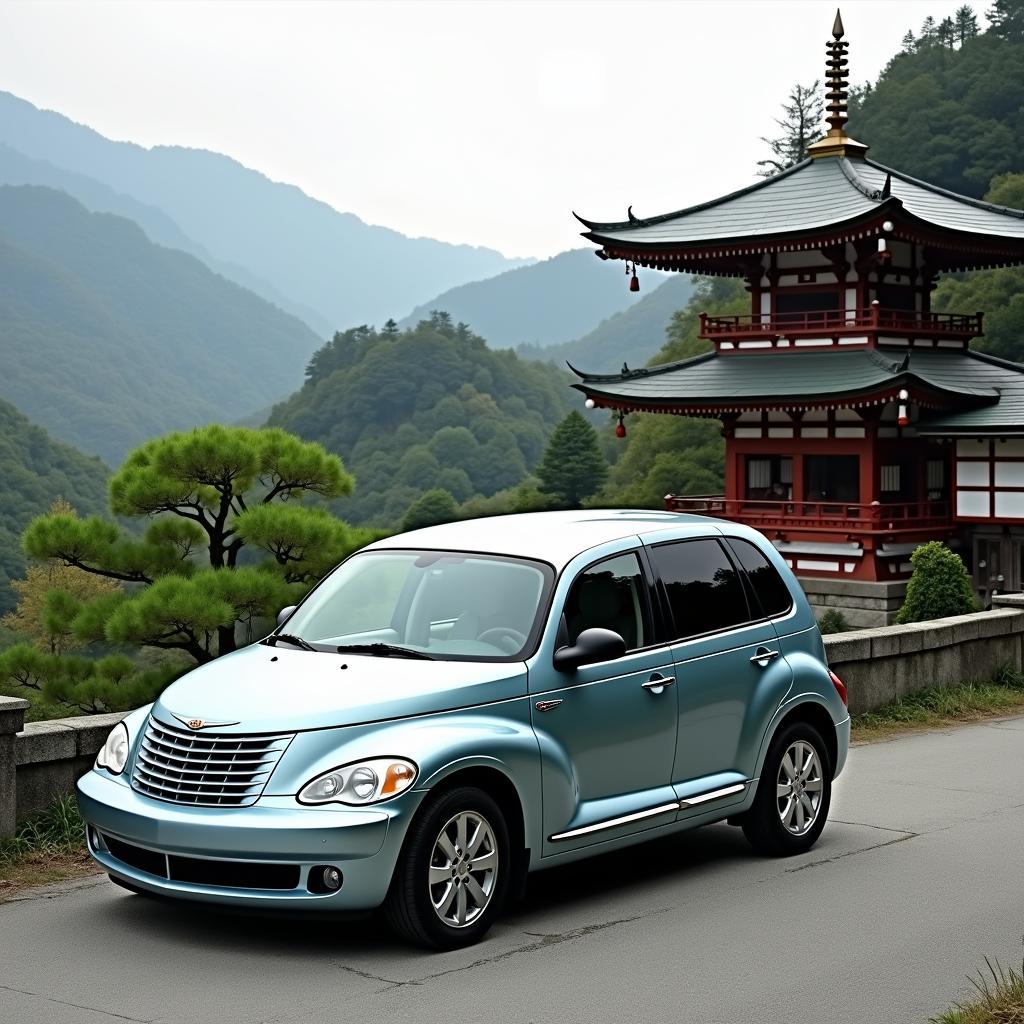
<point>858,423</point>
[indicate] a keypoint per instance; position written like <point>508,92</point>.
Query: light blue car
<point>455,707</point>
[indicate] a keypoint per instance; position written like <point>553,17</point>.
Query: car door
<point>608,731</point>
<point>731,673</point>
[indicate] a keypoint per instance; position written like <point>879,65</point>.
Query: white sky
<point>484,122</point>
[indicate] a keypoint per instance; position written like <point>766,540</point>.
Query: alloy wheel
<point>799,788</point>
<point>463,869</point>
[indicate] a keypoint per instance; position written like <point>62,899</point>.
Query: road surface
<point>917,877</point>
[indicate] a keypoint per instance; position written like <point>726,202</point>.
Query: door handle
<point>763,655</point>
<point>658,682</point>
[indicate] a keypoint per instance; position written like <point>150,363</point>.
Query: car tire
<point>793,797</point>
<point>453,873</point>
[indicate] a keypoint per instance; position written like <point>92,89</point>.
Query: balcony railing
<point>830,516</point>
<point>834,322</point>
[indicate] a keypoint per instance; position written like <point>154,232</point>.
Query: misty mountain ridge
<point>315,257</point>
<point>632,336</point>
<point>90,310</point>
<point>548,302</point>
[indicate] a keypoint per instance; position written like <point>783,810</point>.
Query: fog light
<point>324,878</point>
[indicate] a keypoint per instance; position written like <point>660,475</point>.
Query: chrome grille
<point>205,769</point>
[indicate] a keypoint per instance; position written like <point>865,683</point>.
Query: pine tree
<point>573,467</point>
<point>909,42</point>
<point>800,124</point>
<point>209,494</point>
<point>390,329</point>
<point>1006,19</point>
<point>965,23</point>
<point>929,32</point>
<point>946,33</point>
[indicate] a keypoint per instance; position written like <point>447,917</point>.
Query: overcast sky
<point>484,122</point>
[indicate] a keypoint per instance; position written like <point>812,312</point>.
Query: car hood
<point>271,689</point>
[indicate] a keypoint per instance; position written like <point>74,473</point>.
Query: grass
<point>998,999</point>
<point>945,705</point>
<point>49,847</point>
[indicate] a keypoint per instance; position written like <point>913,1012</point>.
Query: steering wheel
<point>502,634</point>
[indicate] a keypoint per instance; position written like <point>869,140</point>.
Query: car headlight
<point>113,754</point>
<point>364,782</point>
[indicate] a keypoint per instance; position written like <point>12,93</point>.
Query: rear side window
<point>704,590</point>
<point>768,586</point>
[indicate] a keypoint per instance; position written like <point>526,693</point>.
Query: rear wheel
<point>794,794</point>
<point>453,874</point>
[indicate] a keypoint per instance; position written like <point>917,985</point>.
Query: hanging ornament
<point>620,427</point>
<point>590,403</point>
<point>634,284</point>
<point>901,417</point>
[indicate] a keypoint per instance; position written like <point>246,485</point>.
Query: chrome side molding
<point>651,812</point>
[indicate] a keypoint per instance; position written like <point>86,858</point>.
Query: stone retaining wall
<point>42,760</point>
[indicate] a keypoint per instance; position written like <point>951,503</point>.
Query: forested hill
<point>950,107</point>
<point>108,339</point>
<point>428,407</point>
<point>543,304</point>
<point>36,470</point>
<point>319,258</point>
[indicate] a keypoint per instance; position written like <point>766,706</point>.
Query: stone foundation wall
<point>863,605</point>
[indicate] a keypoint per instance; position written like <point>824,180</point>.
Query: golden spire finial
<point>837,81</point>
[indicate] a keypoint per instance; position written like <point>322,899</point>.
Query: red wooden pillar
<point>869,472</point>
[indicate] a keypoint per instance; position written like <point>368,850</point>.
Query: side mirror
<point>285,614</point>
<point>592,645</point>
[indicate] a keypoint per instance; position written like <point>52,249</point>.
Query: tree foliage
<point>939,585</point>
<point>800,124</point>
<point>214,498</point>
<point>36,470</point>
<point>428,407</point>
<point>948,109</point>
<point>429,509</point>
<point>573,467</point>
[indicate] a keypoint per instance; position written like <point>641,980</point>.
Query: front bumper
<point>364,843</point>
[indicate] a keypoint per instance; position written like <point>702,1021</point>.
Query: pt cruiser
<point>455,707</point>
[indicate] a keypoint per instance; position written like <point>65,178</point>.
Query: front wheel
<point>452,876</point>
<point>793,796</point>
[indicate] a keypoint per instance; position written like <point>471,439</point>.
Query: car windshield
<point>446,605</point>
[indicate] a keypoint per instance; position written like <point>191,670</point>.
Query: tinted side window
<point>769,587</point>
<point>704,590</point>
<point>611,595</point>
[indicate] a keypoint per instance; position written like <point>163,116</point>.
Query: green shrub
<point>939,585</point>
<point>58,829</point>
<point>832,621</point>
<point>431,508</point>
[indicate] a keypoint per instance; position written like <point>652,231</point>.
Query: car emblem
<point>195,724</point>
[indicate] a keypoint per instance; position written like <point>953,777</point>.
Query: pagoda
<point>858,423</point>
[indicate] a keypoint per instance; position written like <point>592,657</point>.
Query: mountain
<point>333,263</point>
<point>950,114</point>
<point>632,336</point>
<point>428,407</point>
<point>542,304</point>
<point>36,470</point>
<point>18,169</point>
<point>108,339</point>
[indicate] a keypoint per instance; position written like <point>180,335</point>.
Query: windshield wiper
<point>384,651</point>
<point>289,638</point>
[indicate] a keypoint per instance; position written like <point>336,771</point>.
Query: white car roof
<point>555,537</point>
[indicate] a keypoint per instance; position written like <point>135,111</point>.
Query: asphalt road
<point>915,879</point>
